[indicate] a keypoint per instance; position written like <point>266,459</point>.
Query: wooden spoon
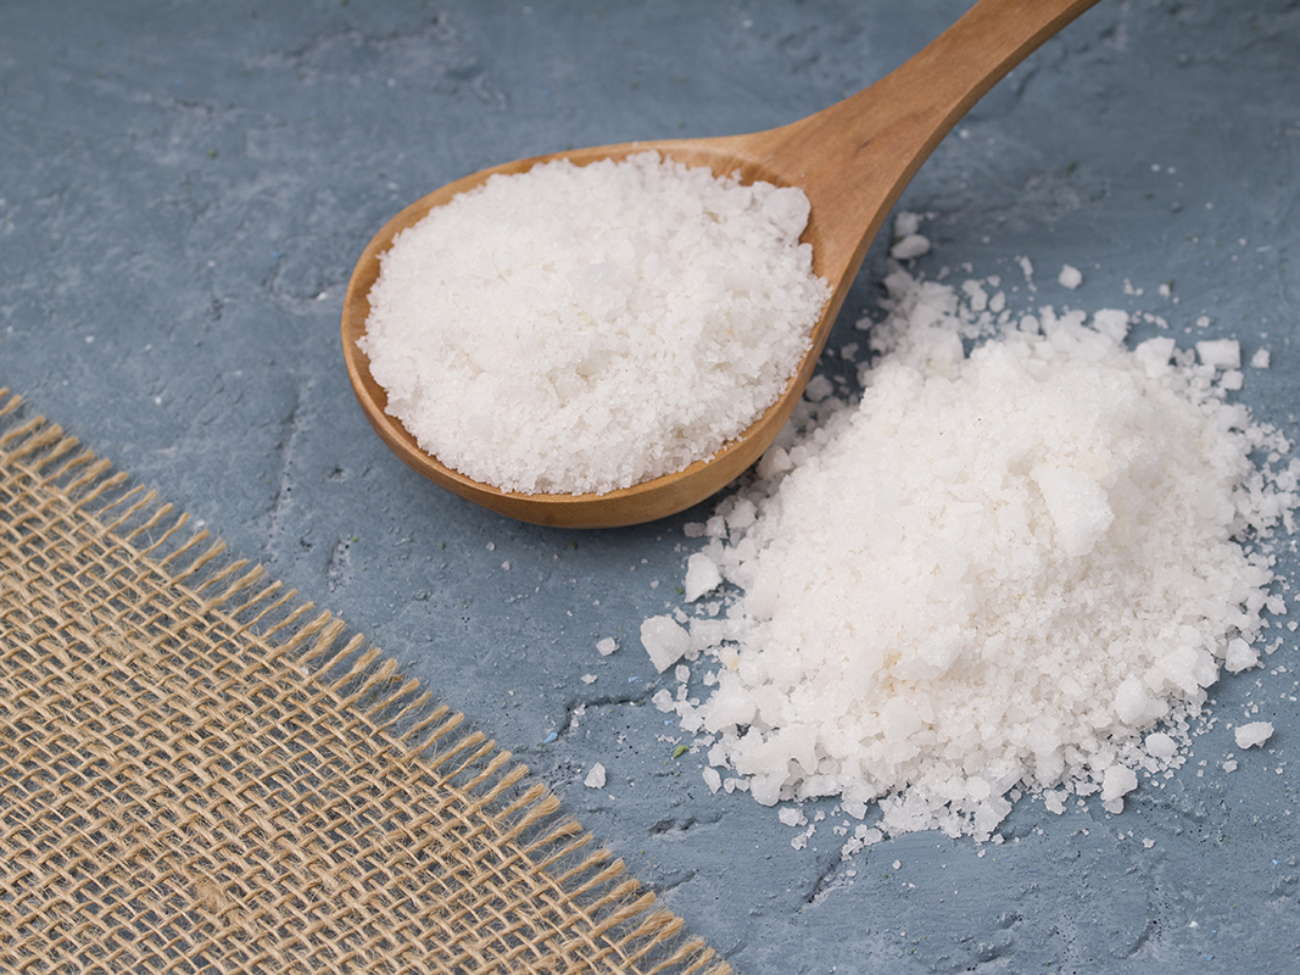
<point>852,159</point>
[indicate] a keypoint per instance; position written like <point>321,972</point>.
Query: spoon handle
<point>869,146</point>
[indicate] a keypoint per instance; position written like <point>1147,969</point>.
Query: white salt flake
<point>1160,745</point>
<point>792,816</point>
<point>1241,656</point>
<point>596,777</point>
<point>819,388</point>
<point>702,576</point>
<point>1116,781</point>
<point>1253,734</point>
<point>665,641</point>
<point>1070,277</point>
<point>1220,353</point>
<point>1112,323</point>
<point>606,646</point>
<point>906,223</point>
<point>910,247</point>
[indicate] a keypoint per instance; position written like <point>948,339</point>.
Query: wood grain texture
<point>853,159</point>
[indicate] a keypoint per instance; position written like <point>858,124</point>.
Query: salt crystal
<point>909,243</point>
<point>818,389</point>
<point>911,246</point>
<point>1112,323</point>
<point>1070,277</point>
<point>1116,781</point>
<point>1160,745</point>
<point>791,816</point>
<point>702,576</point>
<point>665,641</point>
<point>606,646</point>
<point>1241,656</point>
<point>596,777</point>
<point>906,222</point>
<point>1253,734</point>
<point>1220,353</point>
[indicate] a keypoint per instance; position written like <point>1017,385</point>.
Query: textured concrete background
<point>185,186</point>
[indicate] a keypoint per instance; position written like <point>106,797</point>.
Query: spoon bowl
<point>853,160</point>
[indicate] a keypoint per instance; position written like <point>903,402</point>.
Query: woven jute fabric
<point>200,772</point>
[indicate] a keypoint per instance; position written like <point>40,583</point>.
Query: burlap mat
<point>201,773</point>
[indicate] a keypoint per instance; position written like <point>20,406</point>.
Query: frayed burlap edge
<point>263,850</point>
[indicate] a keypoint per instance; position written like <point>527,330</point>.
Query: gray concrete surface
<point>185,186</point>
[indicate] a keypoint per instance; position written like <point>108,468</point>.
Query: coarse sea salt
<point>582,329</point>
<point>998,571</point>
<point>1253,735</point>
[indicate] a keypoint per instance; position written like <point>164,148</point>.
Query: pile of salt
<point>998,571</point>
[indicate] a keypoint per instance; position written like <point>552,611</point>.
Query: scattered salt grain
<point>596,777</point>
<point>1070,277</point>
<point>906,223</point>
<point>1261,358</point>
<point>582,329</point>
<point>792,816</point>
<point>909,243</point>
<point>606,646</point>
<point>913,245</point>
<point>1220,353</point>
<point>1253,734</point>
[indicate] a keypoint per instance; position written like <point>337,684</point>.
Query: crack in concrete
<point>281,507</point>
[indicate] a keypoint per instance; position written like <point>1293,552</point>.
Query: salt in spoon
<point>852,159</point>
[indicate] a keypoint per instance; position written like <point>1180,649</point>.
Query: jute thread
<point>202,772</point>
